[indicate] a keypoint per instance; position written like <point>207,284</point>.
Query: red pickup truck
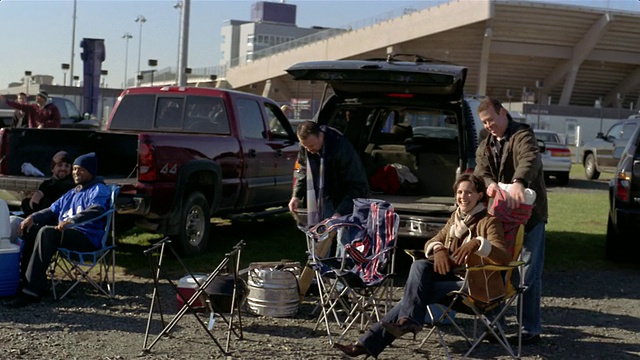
<point>182,155</point>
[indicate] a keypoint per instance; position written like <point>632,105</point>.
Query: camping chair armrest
<point>104,214</point>
<point>415,254</point>
<point>491,267</point>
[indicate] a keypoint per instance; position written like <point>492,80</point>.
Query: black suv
<point>624,199</point>
<point>409,114</point>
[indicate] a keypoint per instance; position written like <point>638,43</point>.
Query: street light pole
<point>73,40</point>
<point>539,86</point>
<point>27,79</point>
<point>619,97</point>
<point>140,19</point>
<point>178,6</point>
<point>152,63</point>
<point>184,43</point>
<point>126,36</point>
<point>65,67</point>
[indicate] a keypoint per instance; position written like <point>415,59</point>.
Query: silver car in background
<point>556,157</point>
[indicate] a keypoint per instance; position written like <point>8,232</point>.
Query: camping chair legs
<point>76,272</point>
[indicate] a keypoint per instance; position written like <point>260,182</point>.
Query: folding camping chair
<point>360,282</point>
<point>75,265</point>
<point>491,314</point>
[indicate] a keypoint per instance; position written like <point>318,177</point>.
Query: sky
<point>37,34</point>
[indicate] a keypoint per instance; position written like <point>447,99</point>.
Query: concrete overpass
<point>574,54</point>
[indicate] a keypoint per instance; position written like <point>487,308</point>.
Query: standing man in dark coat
<point>344,175</point>
<point>510,155</point>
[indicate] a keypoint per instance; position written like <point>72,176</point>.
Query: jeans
<point>533,256</point>
<point>424,287</point>
<point>47,242</point>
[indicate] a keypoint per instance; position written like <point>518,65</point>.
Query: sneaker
<point>527,339</point>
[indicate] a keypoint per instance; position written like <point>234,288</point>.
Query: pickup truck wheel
<point>195,221</point>
<point>590,170</point>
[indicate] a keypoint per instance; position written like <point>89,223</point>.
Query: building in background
<point>271,24</point>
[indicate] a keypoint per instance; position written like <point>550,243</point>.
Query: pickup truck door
<point>258,155</point>
<point>283,141</point>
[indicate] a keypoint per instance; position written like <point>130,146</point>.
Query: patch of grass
<point>576,230</point>
<point>271,239</point>
<point>577,172</point>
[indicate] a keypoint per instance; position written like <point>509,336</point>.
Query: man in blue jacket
<point>88,200</point>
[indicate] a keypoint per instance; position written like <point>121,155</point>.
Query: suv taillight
<point>146,162</point>
<point>622,186</point>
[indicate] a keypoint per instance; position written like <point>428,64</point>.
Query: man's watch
<point>521,181</point>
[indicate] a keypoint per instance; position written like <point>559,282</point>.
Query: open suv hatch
<point>409,114</point>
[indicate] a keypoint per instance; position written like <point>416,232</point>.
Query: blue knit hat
<point>89,162</point>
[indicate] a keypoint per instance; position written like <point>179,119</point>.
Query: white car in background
<point>556,157</point>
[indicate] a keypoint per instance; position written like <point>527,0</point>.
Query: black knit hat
<point>43,94</point>
<point>89,162</point>
<point>60,157</point>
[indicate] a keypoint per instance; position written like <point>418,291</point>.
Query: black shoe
<point>398,330</point>
<point>352,350</point>
<point>488,337</point>
<point>22,300</point>
<point>527,339</point>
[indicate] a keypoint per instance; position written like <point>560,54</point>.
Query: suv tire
<point>195,222</point>
<point>563,179</point>
<point>613,250</point>
<point>590,170</point>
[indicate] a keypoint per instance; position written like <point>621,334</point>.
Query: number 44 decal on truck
<point>169,169</point>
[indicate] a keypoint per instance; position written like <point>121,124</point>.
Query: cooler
<point>9,267</point>
<point>187,287</point>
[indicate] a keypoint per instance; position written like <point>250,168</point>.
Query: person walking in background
<point>42,114</point>
<point>19,116</point>
<point>510,155</point>
<point>45,228</point>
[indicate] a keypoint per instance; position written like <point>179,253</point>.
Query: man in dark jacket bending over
<point>335,167</point>
<point>88,200</point>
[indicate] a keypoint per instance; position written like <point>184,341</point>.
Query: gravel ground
<point>586,315</point>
